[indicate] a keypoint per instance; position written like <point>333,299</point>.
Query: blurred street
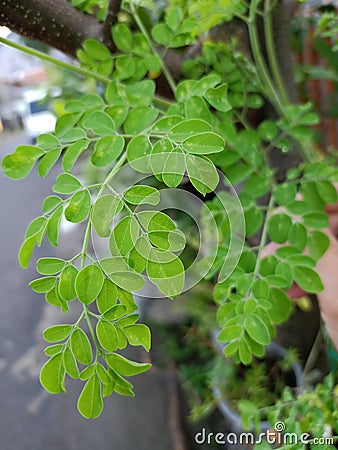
<point>30,418</point>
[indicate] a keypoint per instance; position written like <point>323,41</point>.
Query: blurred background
<point>174,400</point>
<point>30,418</point>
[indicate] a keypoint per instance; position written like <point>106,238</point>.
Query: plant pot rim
<point>273,350</point>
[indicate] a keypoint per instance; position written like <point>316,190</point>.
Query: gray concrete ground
<point>30,418</point>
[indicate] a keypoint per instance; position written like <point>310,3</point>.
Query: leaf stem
<point>57,62</point>
<point>85,243</point>
<point>271,52</point>
<point>160,101</point>
<point>91,330</point>
<point>263,239</point>
<point>111,174</point>
<point>145,33</point>
<point>265,80</point>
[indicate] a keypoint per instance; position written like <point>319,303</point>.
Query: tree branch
<point>56,23</point>
<point>111,18</point>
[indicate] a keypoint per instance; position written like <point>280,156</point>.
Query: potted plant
<point>238,388</point>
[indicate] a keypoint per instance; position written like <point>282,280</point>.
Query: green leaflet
<point>47,141</point>
<point>107,335</point>
<point>65,123</point>
<point>298,236</point>
<point>43,284</point>
<point>165,124</point>
<point>70,364</point>
<point>73,153</point>
<point>278,227</point>
<point>315,220</point>
<point>73,135</point>
<point>88,283</point>
<point>52,297</point>
<point>87,373</point>
<point>127,299</point>
<point>66,184</point>
<point>138,334</point>
<point>115,312</point>
<point>26,250</point>
<point>90,403</point>
<point>122,37</point>
<point>257,329</point>
<point>118,114</point>
<point>107,150</point>
<point>138,151</point>
<point>52,350</point>
<point>174,167</point>
<point>52,375</point>
<point>124,366</point>
<point>159,155</point>
<point>318,243</point>
<point>107,298</point>
<point>139,118</point>
<point>205,83</point>
<point>196,108</point>
<point>166,271</point>
<point>228,333</point>
<point>20,163</point>
<point>162,34</point>
<point>307,279</point>
<point>57,333</point>
<point>103,374</point>
<point>218,98</point>
<point>50,203</point>
<point>66,287</point>
<point>284,193</point>
<point>38,225</point>
<point>125,67</point>
<point>48,161</point>
<point>50,266</point>
<point>81,347</point>
<point>202,173</point>
<point>281,306</point>
<point>188,128</point>
<point>53,227</point>
<point>124,236</point>
<point>96,49</point>
<point>78,207</point>
<point>140,194</point>
<point>159,221</point>
<point>141,93</point>
<point>128,280</point>
<point>104,209</point>
<point>100,123</point>
<point>203,143</point>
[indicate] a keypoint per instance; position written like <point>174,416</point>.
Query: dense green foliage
<point>202,137</point>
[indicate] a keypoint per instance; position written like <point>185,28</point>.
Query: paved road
<point>31,419</point>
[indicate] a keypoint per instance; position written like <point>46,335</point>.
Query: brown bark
<point>56,23</point>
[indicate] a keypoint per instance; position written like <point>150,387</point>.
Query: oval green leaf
<point>88,283</point>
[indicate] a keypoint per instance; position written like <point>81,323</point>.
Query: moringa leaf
<point>81,347</point>
<point>78,207</point>
<point>20,163</point>
<point>107,150</point>
<point>104,209</point>
<point>88,283</point>
<point>90,403</point>
<point>52,375</point>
